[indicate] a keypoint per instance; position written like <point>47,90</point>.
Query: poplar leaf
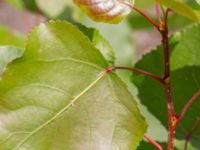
<point>58,97</point>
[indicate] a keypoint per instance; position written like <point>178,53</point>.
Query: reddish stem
<point>172,117</point>
<point>165,42</point>
<point>141,13</point>
<point>109,69</point>
<point>189,135</point>
<point>188,105</point>
<point>158,13</point>
<point>157,145</point>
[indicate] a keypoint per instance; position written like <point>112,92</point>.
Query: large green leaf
<point>182,8</point>
<point>57,97</point>
<point>112,11</point>
<point>185,79</point>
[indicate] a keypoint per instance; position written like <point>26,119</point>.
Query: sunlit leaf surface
<point>58,97</point>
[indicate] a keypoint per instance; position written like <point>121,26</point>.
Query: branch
<point>141,13</point>
<point>172,118</point>
<point>157,146</point>
<point>188,105</point>
<point>165,42</point>
<point>189,135</point>
<point>109,69</point>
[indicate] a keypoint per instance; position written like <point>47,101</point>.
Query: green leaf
<point>111,11</point>
<point>145,146</point>
<point>193,3</point>
<point>31,5</point>
<point>182,8</point>
<point>8,38</point>
<point>185,79</point>
<point>57,96</point>
<point>7,55</point>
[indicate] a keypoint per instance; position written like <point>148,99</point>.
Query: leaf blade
<point>59,98</point>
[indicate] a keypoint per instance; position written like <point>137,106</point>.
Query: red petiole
<point>157,146</point>
<point>141,13</point>
<point>150,75</point>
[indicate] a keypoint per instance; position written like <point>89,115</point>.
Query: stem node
<point>109,69</point>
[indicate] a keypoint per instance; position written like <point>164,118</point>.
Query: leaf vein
<point>70,59</point>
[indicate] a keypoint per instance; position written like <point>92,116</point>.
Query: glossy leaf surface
<point>57,96</point>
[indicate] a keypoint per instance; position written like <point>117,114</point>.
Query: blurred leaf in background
<point>15,49</point>
<point>9,38</point>
<point>182,8</point>
<point>99,42</point>
<point>7,55</point>
<point>17,3</point>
